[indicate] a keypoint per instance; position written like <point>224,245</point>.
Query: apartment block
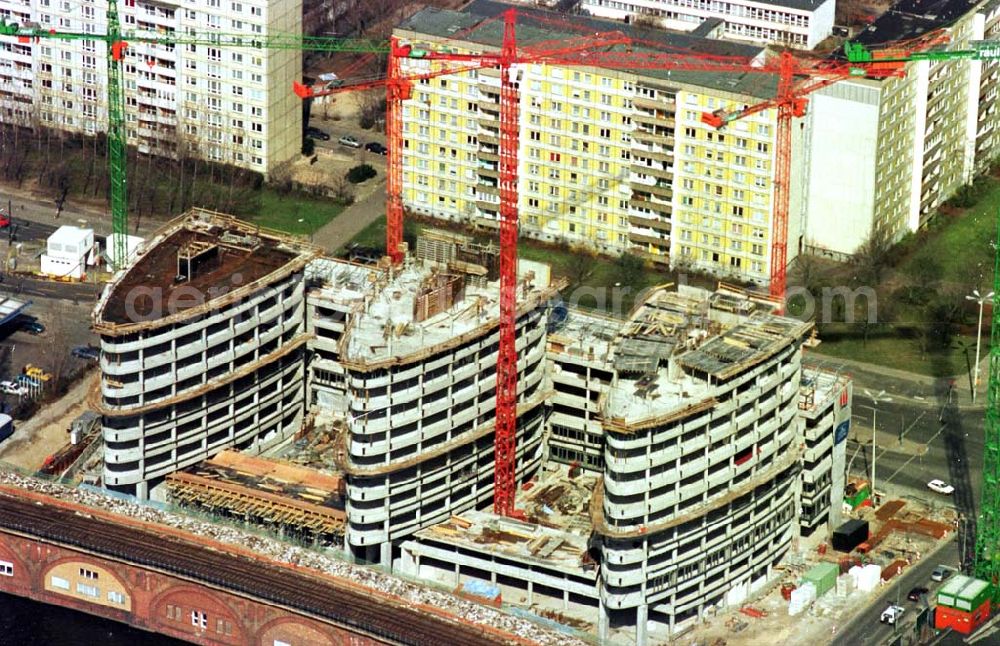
<point>224,104</point>
<point>616,161</point>
<point>797,23</point>
<point>902,146</point>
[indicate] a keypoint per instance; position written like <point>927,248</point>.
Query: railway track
<point>320,598</point>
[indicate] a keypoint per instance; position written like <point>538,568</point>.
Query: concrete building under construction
<point>203,342</point>
<point>666,462</point>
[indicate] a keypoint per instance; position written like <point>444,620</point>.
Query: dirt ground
<point>46,432</point>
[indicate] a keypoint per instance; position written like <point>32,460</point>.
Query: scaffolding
<point>291,500</point>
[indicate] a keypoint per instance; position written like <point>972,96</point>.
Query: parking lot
<point>67,325</point>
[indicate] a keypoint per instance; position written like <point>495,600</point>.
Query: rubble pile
<point>285,553</point>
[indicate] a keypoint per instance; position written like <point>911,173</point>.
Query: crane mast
<point>987,562</point>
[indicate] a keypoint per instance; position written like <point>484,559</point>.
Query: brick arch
<point>298,632</point>
<point>22,571</point>
<point>187,597</point>
<point>83,559</point>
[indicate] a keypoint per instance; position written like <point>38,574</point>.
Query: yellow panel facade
<point>88,582</point>
<point>614,161</point>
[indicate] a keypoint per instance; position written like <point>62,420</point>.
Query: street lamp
<point>876,399</point>
<point>979,336</point>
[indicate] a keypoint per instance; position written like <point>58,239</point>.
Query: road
<point>866,628</point>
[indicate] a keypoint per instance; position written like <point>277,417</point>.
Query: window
<point>88,590</point>
<point>116,597</point>
<point>88,574</point>
<point>60,583</point>
<point>6,568</point>
<point>199,619</point>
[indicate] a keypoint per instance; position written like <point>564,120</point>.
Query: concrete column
<point>603,621</point>
<point>641,619</point>
<point>531,592</point>
<point>385,555</point>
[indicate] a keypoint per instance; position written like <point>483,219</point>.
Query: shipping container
<point>963,593</point>
<point>823,576</point>
<point>6,426</point>
<point>850,535</point>
<point>960,620</point>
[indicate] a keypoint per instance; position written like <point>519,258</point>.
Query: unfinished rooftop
<point>677,346</point>
<point>197,258</point>
<point>818,387</point>
<point>404,314</point>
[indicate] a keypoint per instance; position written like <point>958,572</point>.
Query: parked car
<point>32,327</point>
<point>376,147</point>
<point>915,593</point>
<point>892,614</point>
<point>940,486</point>
<point>86,352</point>
<point>316,133</point>
<point>940,573</point>
<point>350,141</point>
<point>12,388</point>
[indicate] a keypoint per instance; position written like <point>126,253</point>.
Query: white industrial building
<point>798,23</point>
<point>226,104</point>
<point>68,251</point>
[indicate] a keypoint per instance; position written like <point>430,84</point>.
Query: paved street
<point>866,628</point>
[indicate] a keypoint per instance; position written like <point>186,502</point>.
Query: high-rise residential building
<point>798,23</point>
<point>223,104</point>
<point>617,161</point>
<point>900,147</point>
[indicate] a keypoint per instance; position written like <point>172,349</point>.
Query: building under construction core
<point>202,348</point>
<point>665,462</point>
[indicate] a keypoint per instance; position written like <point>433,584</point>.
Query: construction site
<point>440,416</point>
<point>665,467</point>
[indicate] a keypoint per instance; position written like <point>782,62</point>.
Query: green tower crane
<point>987,565</point>
<point>117,42</point>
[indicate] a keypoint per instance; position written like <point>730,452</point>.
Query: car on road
<point>940,573</point>
<point>316,133</point>
<point>86,352</point>
<point>350,141</point>
<point>916,592</point>
<point>13,388</point>
<point>940,486</point>
<point>376,147</point>
<point>891,614</point>
<point>32,327</point>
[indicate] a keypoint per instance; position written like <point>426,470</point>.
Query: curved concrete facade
<point>421,445</point>
<point>697,509</point>
<point>227,372</point>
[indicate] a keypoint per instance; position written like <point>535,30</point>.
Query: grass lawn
<point>903,353</point>
<point>960,244</point>
<point>295,213</point>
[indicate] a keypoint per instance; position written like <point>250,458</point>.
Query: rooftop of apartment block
<point>409,312</point>
<point>480,22</point>
<point>678,345</point>
<point>193,260</point>
<point>914,18</point>
<point>818,388</point>
<point>555,530</point>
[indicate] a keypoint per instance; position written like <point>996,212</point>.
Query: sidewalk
<point>353,219</point>
<point>35,207</point>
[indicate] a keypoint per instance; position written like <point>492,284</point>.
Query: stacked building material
<point>866,578</point>
<point>963,604</point>
<point>823,576</point>
<point>802,597</point>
